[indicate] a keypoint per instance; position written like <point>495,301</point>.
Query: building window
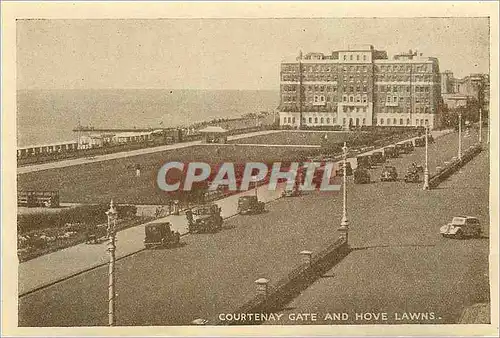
<point>364,109</point>
<point>407,121</point>
<point>345,57</point>
<point>310,120</point>
<point>358,99</point>
<point>350,57</point>
<point>351,98</point>
<point>284,120</point>
<point>327,120</point>
<point>364,59</point>
<point>401,121</point>
<point>381,121</point>
<point>344,98</point>
<point>322,120</point>
<point>357,121</point>
<point>334,120</point>
<point>343,121</point>
<point>426,122</point>
<point>364,121</point>
<point>315,120</point>
<point>303,120</point>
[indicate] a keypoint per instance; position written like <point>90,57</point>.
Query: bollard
<point>262,285</point>
<point>306,256</point>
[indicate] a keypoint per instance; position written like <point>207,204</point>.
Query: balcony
<point>392,104</point>
<point>355,104</point>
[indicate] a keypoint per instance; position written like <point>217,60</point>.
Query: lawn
<point>289,137</point>
<point>101,181</point>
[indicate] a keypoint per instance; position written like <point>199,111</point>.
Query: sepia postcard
<point>250,168</point>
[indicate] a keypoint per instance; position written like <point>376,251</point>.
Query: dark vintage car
<point>378,157</point>
<point>160,234</point>
<point>250,205</point>
<point>361,176</point>
<point>409,146</point>
<point>420,142</point>
<point>389,173</point>
<point>461,227</point>
<point>203,219</point>
<point>401,148</point>
<point>364,161</point>
<point>391,152</point>
<point>340,169</point>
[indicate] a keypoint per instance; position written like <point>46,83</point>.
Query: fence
<point>443,173</point>
<point>291,285</point>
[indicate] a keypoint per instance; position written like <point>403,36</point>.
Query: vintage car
<point>391,152</point>
<point>364,161</point>
<point>409,146</point>
<point>378,157</point>
<point>250,205</point>
<point>420,142</point>
<point>203,219</point>
<point>389,173</point>
<point>160,234</point>
<point>340,169</point>
<point>412,175</point>
<point>401,148</point>
<point>361,176</point>
<point>462,227</point>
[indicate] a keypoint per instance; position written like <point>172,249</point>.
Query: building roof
<point>213,129</point>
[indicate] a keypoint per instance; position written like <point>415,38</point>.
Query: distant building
<point>360,86</point>
<point>474,87</point>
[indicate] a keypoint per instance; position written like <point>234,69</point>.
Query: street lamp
<point>344,224</point>
<point>426,170</point>
<point>112,217</point>
<point>460,135</point>
<point>480,125</point>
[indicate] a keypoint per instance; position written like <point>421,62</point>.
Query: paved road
<point>215,273</point>
<point>400,263</point>
<point>55,266</point>
<point>100,158</point>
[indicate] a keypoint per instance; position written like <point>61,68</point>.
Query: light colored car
<point>462,227</point>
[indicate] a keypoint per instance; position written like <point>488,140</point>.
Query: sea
<point>49,116</point>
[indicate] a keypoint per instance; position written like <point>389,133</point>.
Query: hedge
<point>84,214</point>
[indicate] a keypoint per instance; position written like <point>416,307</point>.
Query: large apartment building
<point>360,86</point>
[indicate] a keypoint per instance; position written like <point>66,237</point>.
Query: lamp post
<point>480,125</point>
<point>426,170</point>
<point>112,217</point>
<point>344,224</point>
<point>460,135</point>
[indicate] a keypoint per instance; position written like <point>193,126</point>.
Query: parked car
<point>389,173</point>
<point>250,205</point>
<point>401,148</point>
<point>203,219</point>
<point>361,176</point>
<point>409,146</point>
<point>364,161</point>
<point>391,152</point>
<point>420,142</point>
<point>462,227</point>
<point>340,169</point>
<point>378,157</point>
<point>160,234</point>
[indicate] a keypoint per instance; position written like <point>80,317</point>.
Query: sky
<point>224,53</point>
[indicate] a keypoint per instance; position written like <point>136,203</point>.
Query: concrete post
<point>344,224</point>
<point>426,169</point>
<point>262,286</point>
<point>112,216</point>
<point>460,135</point>
<point>306,256</point>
